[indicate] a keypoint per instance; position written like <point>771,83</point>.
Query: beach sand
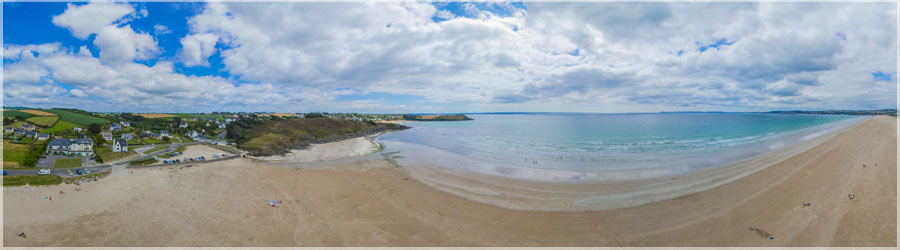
<point>323,152</point>
<point>372,202</point>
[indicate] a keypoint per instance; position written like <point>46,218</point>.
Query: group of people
<point>762,233</point>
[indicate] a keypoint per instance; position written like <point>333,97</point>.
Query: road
<point>102,167</point>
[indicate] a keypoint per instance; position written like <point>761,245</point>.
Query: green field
<point>61,126</point>
<point>33,180</point>
<point>13,154</point>
<point>43,120</point>
<point>80,119</point>
<point>14,113</point>
<point>106,154</point>
<point>67,163</point>
<point>152,141</point>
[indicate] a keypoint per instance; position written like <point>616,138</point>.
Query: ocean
<point>582,147</point>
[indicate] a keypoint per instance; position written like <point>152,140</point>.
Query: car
<point>87,171</point>
<point>41,162</point>
<point>4,172</point>
<point>44,171</point>
<point>69,172</point>
<point>43,156</point>
<point>79,172</point>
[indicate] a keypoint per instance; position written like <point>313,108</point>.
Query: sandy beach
<point>369,201</point>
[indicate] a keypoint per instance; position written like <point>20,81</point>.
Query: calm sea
<point>602,146</point>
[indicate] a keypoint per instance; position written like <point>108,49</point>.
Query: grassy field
<point>157,148</point>
<point>61,126</point>
<point>76,118</point>
<point>14,113</point>
<point>26,140</point>
<point>13,154</point>
<point>143,162</point>
<point>67,163</point>
<point>33,180</point>
<point>43,120</point>
<point>152,141</point>
<point>107,155</point>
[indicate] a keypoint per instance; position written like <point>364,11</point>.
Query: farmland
<point>61,126</point>
<point>37,112</point>
<point>77,118</point>
<point>151,116</point>
<point>15,113</point>
<point>46,121</point>
<point>202,116</point>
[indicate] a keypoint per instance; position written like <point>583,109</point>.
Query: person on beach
<point>22,234</point>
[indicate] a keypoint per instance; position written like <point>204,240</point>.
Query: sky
<point>440,57</point>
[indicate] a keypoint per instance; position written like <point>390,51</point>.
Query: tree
<point>165,138</point>
<point>95,128</point>
<point>177,120</point>
<point>98,139</point>
<point>8,121</point>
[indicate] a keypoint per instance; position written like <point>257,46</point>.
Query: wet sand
<point>369,201</point>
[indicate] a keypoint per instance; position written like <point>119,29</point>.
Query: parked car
<point>41,162</point>
<point>87,171</point>
<point>69,172</point>
<point>79,172</point>
<point>4,172</point>
<point>43,156</point>
<point>44,171</point>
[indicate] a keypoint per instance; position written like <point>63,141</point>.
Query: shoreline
<point>368,201</point>
<point>594,195</point>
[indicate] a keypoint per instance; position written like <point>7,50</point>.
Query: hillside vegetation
<point>75,116</point>
<point>271,136</point>
<point>436,117</point>
<point>15,113</point>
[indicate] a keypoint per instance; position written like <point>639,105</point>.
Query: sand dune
<point>371,202</point>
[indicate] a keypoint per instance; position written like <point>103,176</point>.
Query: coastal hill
<point>459,117</point>
<point>273,135</point>
<point>890,112</point>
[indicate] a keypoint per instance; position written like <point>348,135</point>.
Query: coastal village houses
<point>8,130</point>
<point>120,145</point>
<point>19,131</point>
<point>128,136</point>
<point>28,127</point>
<point>43,136</point>
<point>107,135</point>
<point>31,134</point>
<point>77,129</point>
<point>126,124</point>
<point>164,133</point>
<point>115,127</point>
<point>79,147</point>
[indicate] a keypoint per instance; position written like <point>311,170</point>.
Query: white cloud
<point>84,20</point>
<point>160,29</point>
<point>197,48</point>
<point>119,45</point>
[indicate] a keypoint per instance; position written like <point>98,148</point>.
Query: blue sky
<point>449,56</point>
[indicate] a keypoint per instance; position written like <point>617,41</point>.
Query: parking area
<point>48,161</point>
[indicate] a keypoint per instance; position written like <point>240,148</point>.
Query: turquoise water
<point>603,146</point>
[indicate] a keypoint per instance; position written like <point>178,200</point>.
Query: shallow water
<point>603,146</point>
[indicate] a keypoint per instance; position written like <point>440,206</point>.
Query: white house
<point>77,129</point>
<point>19,131</point>
<point>126,124</point>
<point>80,147</point>
<point>183,125</point>
<point>8,130</point>
<point>28,127</point>
<point>106,135</point>
<point>164,133</point>
<point>115,127</point>
<point>119,145</point>
<point>31,134</point>
<point>43,136</point>
<point>128,136</point>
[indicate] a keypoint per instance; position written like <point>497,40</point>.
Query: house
<point>19,131</point>
<point>79,147</point>
<point>77,129</point>
<point>106,135</point>
<point>28,127</point>
<point>128,136</point>
<point>146,134</point>
<point>43,136</point>
<point>227,120</point>
<point>222,125</point>
<point>31,134</point>
<point>8,130</point>
<point>119,145</point>
<point>115,127</point>
<point>183,125</point>
<point>164,133</point>
<point>126,124</point>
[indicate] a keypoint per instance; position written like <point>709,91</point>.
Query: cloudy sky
<point>450,57</point>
